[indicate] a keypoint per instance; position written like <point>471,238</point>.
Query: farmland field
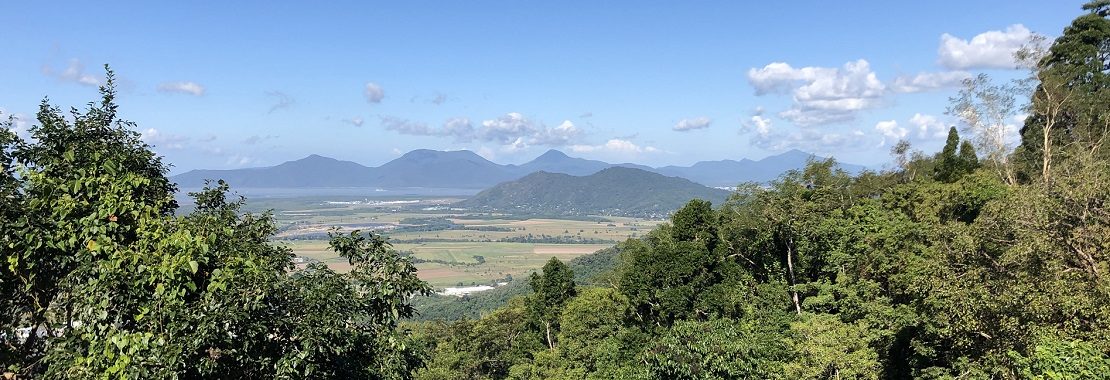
<point>449,246</point>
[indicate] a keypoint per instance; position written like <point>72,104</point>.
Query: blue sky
<point>258,83</point>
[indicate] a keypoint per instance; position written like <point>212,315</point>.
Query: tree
<point>552,290</point>
<point>1071,92</point>
<point>85,188</point>
<point>985,108</point>
<point>830,349</point>
<point>696,222</point>
<point>949,166</point>
<point>1055,358</point>
<point>969,161</point>
<point>112,284</point>
<point>716,349</point>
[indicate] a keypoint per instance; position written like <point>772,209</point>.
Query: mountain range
<point>464,169</point>
<point>612,191</point>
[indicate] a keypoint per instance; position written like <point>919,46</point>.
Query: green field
<point>447,257</point>
<point>501,259</point>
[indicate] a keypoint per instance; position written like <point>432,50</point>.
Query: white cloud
<point>514,130</point>
<point>692,124</point>
<point>928,81</point>
<point>184,87</point>
<point>989,50</point>
<point>890,131</point>
<point>614,146</point>
<point>75,73</point>
<point>757,123</point>
<point>207,138</point>
<point>458,128</point>
<point>18,124</point>
<point>810,140</point>
<point>821,95</point>
<point>162,140</point>
<point>808,117</point>
<point>406,127</point>
<point>564,134</point>
<point>374,93</point>
<point>780,77</point>
<point>928,127</point>
<point>506,129</point>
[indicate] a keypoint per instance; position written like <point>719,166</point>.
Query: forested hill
<point>613,191</point>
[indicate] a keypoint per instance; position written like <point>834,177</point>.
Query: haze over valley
<point>505,190</point>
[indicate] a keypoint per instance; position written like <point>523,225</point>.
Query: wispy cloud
<point>255,139</point>
<point>439,99</point>
<point>614,146</point>
<point>281,100</point>
<point>355,121</point>
<point>510,130</point>
<point>74,73</point>
<point>928,81</point>
<point>163,140</point>
<point>182,87</point>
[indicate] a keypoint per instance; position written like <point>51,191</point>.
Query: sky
<point>221,85</point>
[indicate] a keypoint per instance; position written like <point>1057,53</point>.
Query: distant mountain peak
<point>552,154</point>
<point>316,157</point>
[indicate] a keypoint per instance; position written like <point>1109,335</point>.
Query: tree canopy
<point>102,279</point>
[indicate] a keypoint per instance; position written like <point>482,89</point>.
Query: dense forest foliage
<point>979,261</point>
<point>101,279</point>
<point>959,264</point>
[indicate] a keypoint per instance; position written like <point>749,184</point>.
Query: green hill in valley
<point>612,191</point>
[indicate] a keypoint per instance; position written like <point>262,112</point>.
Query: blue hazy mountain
<point>732,172</point>
<point>464,169</point>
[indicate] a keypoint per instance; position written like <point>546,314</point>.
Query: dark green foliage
<point>1058,359</point>
<point>967,157</point>
<point>716,349</point>
<point>825,275</point>
<point>696,222</point>
<point>948,167</point>
<point>1071,95</point>
<point>112,284</point>
<point>550,291</point>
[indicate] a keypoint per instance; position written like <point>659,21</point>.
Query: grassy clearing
<point>453,250</point>
<point>501,259</point>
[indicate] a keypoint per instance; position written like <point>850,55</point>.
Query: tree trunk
<point>550,343</point>
<point>790,269</point>
<point>1046,153</point>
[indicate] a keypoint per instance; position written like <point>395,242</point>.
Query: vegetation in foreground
<point>102,280</point>
<point>949,267</point>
